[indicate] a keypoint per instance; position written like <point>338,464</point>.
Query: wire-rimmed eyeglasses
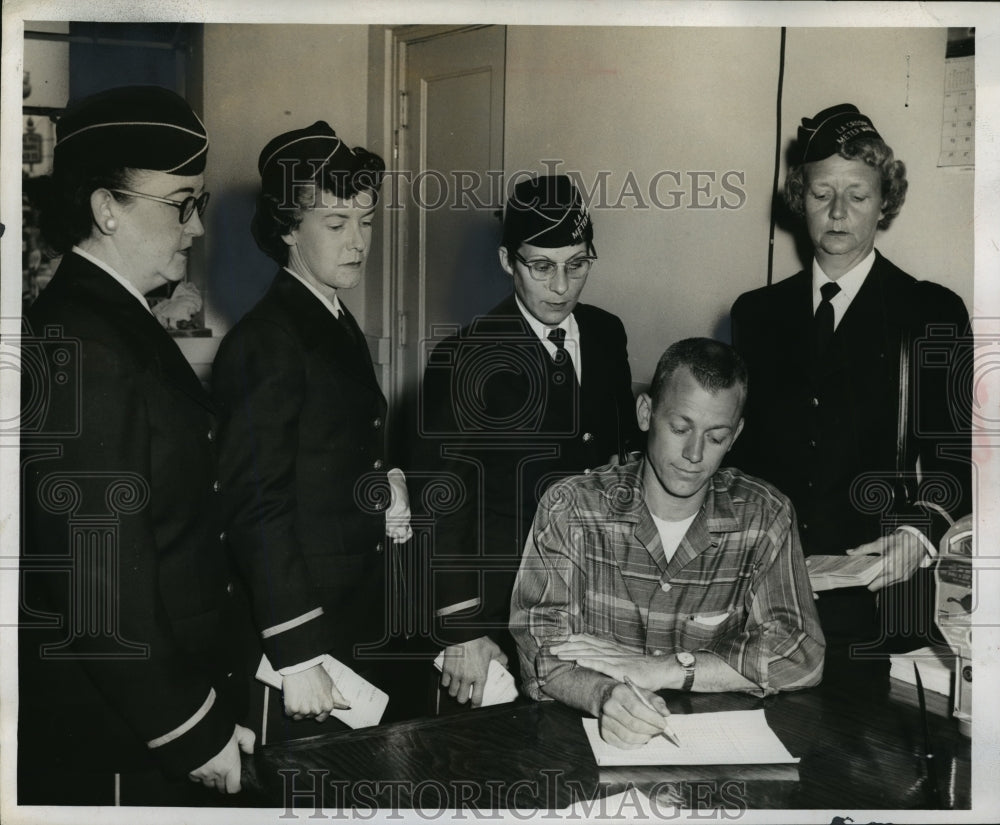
<point>186,207</point>
<point>541,269</point>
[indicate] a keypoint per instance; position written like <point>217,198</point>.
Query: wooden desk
<point>859,749</point>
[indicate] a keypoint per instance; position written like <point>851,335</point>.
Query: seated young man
<point>668,571</point>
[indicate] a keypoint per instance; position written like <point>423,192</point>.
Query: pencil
<point>668,734</point>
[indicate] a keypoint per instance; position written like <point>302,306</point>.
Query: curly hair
<point>279,209</point>
<point>877,154</point>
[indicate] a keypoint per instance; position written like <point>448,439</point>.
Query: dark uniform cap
<point>134,127</point>
<point>547,211</point>
<point>823,135</point>
<point>296,157</point>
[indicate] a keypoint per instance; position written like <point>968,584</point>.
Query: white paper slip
<point>367,702</point>
<point>936,666</point>
<point>735,737</point>
<point>500,686</point>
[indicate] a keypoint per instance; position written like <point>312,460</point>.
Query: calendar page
<point>958,117</point>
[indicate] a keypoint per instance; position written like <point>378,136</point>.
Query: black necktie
<point>565,372</point>
<point>824,317</point>
<point>353,332</point>
<point>558,337</point>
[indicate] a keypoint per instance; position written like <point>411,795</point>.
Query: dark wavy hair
<point>279,208</point>
<point>715,366</point>
<point>63,201</point>
<point>877,154</point>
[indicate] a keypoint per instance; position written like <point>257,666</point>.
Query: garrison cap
<point>303,155</point>
<point>135,127</point>
<point>547,211</point>
<point>823,135</point>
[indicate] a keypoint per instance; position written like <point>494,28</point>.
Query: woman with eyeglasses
<point>537,389</point>
<point>131,683</point>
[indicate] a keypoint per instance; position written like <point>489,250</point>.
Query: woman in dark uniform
<point>130,684</point>
<point>306,477</point>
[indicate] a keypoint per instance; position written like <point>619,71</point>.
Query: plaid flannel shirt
<point>737,585</point>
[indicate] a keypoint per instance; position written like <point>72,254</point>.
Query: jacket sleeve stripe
<point>274,630</point>
<point>180,730</point>
<point>458,606</point>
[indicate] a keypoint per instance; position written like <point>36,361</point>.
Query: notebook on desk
<point>737,737</point>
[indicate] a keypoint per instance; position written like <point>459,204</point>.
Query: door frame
<point>391,115</point>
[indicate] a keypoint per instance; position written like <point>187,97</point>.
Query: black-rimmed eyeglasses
<point>541,269</point>
<point>186,207</point>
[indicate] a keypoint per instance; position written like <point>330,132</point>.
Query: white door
<point>451,154</point>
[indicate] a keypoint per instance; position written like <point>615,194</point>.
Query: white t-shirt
<point>671,533</point>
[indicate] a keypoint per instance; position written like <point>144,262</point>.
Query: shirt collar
<point>717,508</point>
<point>568,323</point>
<point>121,279</point>
<point>850,282</point>
<point>334,305</point>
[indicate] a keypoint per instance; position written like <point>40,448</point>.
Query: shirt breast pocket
<point>700,630</point>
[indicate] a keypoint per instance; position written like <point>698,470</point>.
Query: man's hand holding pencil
<point>630,716</point>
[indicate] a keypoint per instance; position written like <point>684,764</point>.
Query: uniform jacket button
<point>377,423</point>
<point>588,437</point>
<point>229,588</point>
<point>814,401</point>
<point>378,547</point>
<point>222,536</point>
<point>216,486</point>
<point>377,464</point>
<point>210,435</point>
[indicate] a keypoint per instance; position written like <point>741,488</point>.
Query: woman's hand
<point>311,694</point>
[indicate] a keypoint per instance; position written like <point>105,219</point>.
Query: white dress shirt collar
<point>850,284</point>
<point>542,331</point>
<point>127,284</point>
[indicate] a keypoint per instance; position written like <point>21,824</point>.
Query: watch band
<point>686,660</point>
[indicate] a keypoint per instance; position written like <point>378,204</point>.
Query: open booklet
<point>831,572</point>
<point>500,686</point>
<point>735,737</point>
<point>367,702</point>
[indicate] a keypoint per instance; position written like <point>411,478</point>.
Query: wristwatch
<point>686,661</point>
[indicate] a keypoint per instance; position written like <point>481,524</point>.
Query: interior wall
<point>679,108</point>
<point>687,100</point>
<point>688,113</point>
<point>260,81</point>
<point>896,76</point>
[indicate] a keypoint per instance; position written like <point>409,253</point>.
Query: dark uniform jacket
<point>825,433</point>
<point>504,422</point>
<point>127,629</point>
<point>303,468</point>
